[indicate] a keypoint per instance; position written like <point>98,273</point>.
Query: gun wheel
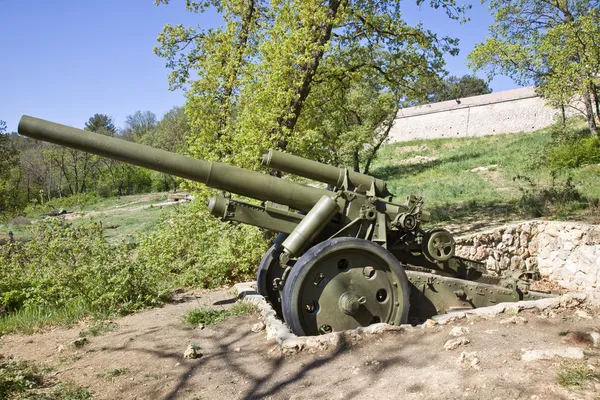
<point>344,283</point>
<point>269,270</point>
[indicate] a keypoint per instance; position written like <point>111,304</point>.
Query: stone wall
<point>510,111</point>
<point>567,253</point>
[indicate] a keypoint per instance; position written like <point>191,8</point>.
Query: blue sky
<point>66,60</point>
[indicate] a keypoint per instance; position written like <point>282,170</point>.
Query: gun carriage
<point>346,257</point>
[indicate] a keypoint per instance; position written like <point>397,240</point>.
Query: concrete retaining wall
<point>567,253</point>
<point>510,111</point>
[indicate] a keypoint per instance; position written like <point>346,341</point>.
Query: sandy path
<point>240,364</point>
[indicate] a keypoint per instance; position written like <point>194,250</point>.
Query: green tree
<point>169,134</point>
<point>454,87</point>
<point>138,124</point>
<point>101,123</point>
<point>549,43</point>
<point>261,75</point>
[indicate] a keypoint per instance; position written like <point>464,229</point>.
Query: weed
<point>113,373</point>
<point>538,201</point>
<point>31,319</point>
<point>21,380</point>
<point>575,374</point>
<point>99,328</point>
<point>563,333</point>
<point>209,316</point>
<point>81,342</point>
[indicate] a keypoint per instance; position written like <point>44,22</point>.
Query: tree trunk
<point>589,112</point>
<point>380,142</point>
<point>355,161</point>
<point>596,100</point>
<point>308,72</point>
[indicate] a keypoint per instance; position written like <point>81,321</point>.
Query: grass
<point>208,316</point>
<point>113,373</point>
<point>574,375</point>
<point>99,328</point>
<point>22,380</point>
<point>31,320</point>
<point>451,191</point>
<point>119,222</point>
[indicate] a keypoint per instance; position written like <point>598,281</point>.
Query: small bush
<point>574,153</point>
<point>198,250</point>
<point>64,263</point>
<point>538,201</point>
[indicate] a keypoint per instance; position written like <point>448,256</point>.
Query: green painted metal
<point>310,226</point>
<point>320,172</point>
<point>353,274</point>
<point>213,174</point>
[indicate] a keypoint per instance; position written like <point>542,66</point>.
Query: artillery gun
<point>345,257</point>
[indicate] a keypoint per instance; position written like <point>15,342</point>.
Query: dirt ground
<point>145,355</point>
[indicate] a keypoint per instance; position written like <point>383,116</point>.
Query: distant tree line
<point>36,172</point>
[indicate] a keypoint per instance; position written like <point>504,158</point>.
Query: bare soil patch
<point>143,359</point>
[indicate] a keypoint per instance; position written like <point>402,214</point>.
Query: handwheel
<point>344,283</point>
<point>268,271</point>
<point>439,245</point>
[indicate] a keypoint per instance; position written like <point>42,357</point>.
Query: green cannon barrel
<point>213,174</point>
<point>321,172</point>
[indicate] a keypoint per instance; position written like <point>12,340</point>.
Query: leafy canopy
<point>552,44</point>
<point>264,79</point>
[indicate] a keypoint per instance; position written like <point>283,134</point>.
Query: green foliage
<point>29,320</point>
<point>139,124</point>
<point>210,316</point>
<point>445,172</point>
<point>538,201</point>
<point>63,264</point>
<point>196,249</point>
<point>17,377</point>
<point>572,375</point>
<point>74,202</point>
<point>99,328</point>
<point>22,380</point>
<point>574,153</point>
<point>265,75</point>
<point>454,87</point>
<point>113,373</point>
<point>101,123</point>
<point>552,44</point>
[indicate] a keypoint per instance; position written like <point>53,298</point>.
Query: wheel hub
<point>350,302</point>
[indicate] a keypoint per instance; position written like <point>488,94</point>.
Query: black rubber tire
<point>269,269</point>
<point>301,270</point>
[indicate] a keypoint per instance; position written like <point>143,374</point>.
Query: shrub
<point>538,201</point>
<point>574,153</point>
<point>197,249</point>
<point>64,263</point>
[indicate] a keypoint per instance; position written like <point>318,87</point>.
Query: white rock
<point>583,314</point>
<point>596,339</point>
<point>429,324</point>
<point>191,352</point>
<point>458,331</point>
<point>454,344</point>
<point>551,230</point>
<point>258,327</point>
<point>514,320</point>
<point>575,353</point>
<point>469,359</point>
